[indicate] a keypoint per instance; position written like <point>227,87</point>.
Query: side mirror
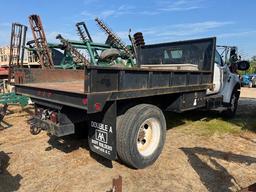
<point>243,65</point>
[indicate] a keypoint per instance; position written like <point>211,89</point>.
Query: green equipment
<point>68,54</point>
<point>7,99</point>
<point>12,98</point>
<point>77,54</point>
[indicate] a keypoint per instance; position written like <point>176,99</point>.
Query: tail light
<point>85,101</point>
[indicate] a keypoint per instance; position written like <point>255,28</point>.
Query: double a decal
<point>101,140</point>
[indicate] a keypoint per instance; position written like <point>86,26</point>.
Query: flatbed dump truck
<point>121,107</point>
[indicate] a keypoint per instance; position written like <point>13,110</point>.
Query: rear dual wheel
<point>140,135</point>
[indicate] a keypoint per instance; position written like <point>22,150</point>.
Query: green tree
<point>252,68</point>
<point>253,58</point>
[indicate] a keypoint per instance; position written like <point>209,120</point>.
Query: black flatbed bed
<point>70,87</point>
<point>103,84</point>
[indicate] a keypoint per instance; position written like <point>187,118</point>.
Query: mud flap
<point>102,132</point>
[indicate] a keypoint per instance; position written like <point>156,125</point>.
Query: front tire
<point>232,106</point>
<point>141,134</point>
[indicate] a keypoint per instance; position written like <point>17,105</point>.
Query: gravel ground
<point>190,161</point>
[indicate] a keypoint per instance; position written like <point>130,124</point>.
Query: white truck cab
<point>225,84</point>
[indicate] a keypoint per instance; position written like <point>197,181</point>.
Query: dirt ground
<point>192,160</point>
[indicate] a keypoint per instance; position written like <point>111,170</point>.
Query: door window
<point>218,59</point>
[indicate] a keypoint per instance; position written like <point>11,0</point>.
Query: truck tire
<point>109,54</point>
<point>141,134</point>
<point>232,106</point>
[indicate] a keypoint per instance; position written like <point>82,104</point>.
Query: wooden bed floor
<point>71,86</point>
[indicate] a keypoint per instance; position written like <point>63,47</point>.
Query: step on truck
<point>123,108</point>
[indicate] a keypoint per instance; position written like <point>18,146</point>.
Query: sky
<point>231,21</point>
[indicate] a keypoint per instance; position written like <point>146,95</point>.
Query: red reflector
<point>85,101</point>
<point>97,106</point>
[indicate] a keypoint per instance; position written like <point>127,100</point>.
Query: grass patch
<point>216,127</point>
<point>208,124</point>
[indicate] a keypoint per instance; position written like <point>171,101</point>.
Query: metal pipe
<point>25,28</point>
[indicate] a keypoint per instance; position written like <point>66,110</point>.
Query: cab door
<point>218,74</point>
